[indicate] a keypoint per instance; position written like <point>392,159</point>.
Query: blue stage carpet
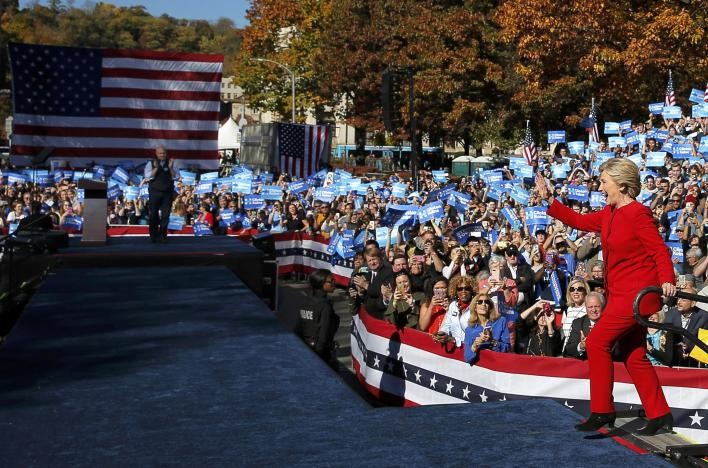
<point>185,366</point>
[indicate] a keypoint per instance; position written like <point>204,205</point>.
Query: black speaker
<point>265,243</point>
<point>391,100</point>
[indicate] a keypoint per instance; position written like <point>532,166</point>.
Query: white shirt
<point>571,314</point>
<point>455,323</point>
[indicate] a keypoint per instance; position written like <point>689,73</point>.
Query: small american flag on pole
<point>530,151</point>
<point>112,105</point>
<point>593,134</point>
<point>670,96</point>
<point>301,147</point>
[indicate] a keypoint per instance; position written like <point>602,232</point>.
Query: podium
<point>94,225</point>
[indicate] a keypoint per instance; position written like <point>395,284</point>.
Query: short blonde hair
<point>624,173</point>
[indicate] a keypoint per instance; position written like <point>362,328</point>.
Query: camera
<point>546,309</point>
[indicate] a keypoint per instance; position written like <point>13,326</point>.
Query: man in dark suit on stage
<point>689,317</point>
<point>581,326</point>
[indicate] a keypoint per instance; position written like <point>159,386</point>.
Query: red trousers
<point>618,325</point>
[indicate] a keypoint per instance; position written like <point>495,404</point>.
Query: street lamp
<point>290,72</point>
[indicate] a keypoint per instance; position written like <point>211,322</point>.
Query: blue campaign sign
<point>614,142</point>
<point>44,180</point>
<point>699,111</point>
<point>696,96</point>
<point>559,171</point>
<point>298,186</point>
<point>131,193</point>
<point>625,125</point>
<point>201,230</point>
<point>204,187</point>
<point>265,177</point>
<point>188,178</point>
<point>671,112</point>
<point>656,108</point>
<point>703,146</point>
<point>397,215</point>
<point>324,194</point>
<point>490,176</point>
<point>556,136</point>
<point>442,193</point>
<point>536,215</point>
<point>597,200</point>
<point>655,159</point>
<point>645,197</point>
<point>661,135</point>
<point>636,159</point>
<point>99,172</point>
<point>176,222</point>
<point>113,192</point>
<point>632,138</point>
<point>494,194</point>
<point>209,176</point>
<point>73,222</point>
<point>578,192</point>
<point>520,195</point>
<point>459,201</point>
<point>466,231</point>
<point>612,128</point>
<point>58,176</point>
<point>253,202</point>
<point>272,192</point>
<point>121,175</point>
<point>382,236</point>
<point>242,186</point>
<point>576,147</point>
<point>430,211</point>
<point>399,190</point>
<point>676,251</point>
<point>333,241</point>
<point>440,176</point>
<point>144,192</point>
<point>523,171</point>
<point>593,145</point>
<point>510,215</point>
<point>682,151</point>
<point>227,217</point>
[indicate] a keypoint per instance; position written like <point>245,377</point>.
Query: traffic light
<point>391,100</point>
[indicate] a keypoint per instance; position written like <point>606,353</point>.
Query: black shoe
<point>654,425</point>
<point>596,421</point>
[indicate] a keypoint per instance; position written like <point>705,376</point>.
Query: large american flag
<point>113,105</point>
<point>593,134</point>
<point>301,147</point>
<point>530,150</point>
<point>670,96</point>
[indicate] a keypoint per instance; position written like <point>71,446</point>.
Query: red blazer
<point>634,254</point>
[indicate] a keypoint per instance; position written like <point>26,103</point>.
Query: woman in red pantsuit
<point>635,257</point>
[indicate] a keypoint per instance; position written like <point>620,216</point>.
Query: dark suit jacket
<point>374,302</point>
<point>524,280</point>
<point>571,347</point>
<point>699,319</point>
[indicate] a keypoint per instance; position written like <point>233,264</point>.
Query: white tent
<point>229,135</point>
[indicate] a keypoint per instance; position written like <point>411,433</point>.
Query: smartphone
<point>581,269</point>
<point>439,293</point>
<point>419,258</point>
<point>494,275</point>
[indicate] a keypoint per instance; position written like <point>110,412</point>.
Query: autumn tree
<point>617,51</point>
<point>288,33</point>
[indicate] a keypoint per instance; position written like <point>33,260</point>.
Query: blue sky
<point>191,9</point>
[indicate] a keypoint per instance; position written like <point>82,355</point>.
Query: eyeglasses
<point>574,289</point>
<point>464,288</point>
<point>484,301</point>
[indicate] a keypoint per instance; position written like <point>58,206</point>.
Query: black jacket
<point>571,346</point>
<point>373,301</point>
<point>318,323</point>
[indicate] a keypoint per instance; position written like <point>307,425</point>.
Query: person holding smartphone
<point>434,306</point>
<point>486,329</point>
<point>160,174</point>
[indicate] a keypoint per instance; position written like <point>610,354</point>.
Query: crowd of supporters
<point>473,261</point>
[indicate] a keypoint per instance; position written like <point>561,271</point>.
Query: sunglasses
<point>484,301</point>
<point>464,288</point>
<point>574,289</point>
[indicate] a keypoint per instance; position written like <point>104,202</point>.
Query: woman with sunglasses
<point>575,304</point>
<point>486,329</point>
<point>635,257</point>
<point>452,329</point>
